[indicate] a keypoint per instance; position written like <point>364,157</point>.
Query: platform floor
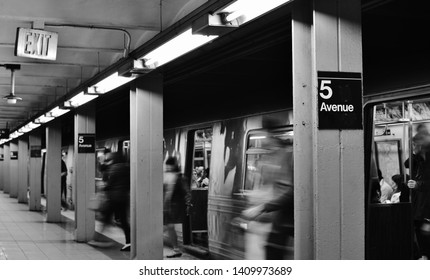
<point>25,235</point>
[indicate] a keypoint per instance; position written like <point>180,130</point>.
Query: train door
<point>269,179</point>
<point>389,224</point>
<point>199,161</point>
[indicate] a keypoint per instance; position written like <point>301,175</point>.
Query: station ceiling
<point>89,42</point>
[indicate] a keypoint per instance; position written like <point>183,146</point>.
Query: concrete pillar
<point>1,167</point>
<point>6,168</point>
<point>35,162</point>
<point>13,170</point>
<point>146,161</point>
<point>23,169</point>
<point>329,163</point>
<point>84,173</point>
<point>53,171</point>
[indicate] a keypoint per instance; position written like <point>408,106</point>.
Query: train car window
<point>201,158</point>
<point>395,126</point>
<point>399,156</point>
<point>261,161</point>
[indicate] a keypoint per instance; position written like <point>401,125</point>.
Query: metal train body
<point>223,149</point>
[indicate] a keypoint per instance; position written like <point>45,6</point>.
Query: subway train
<point>232,148</point>
<point>235,156</point>
<point>392,120</point>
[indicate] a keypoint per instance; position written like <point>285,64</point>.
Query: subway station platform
<point>25,235</point>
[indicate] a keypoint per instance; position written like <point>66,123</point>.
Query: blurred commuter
<point>419,186</point>
<point>116,173</point>
<point>176,202</point>
<point>64,203</point>
<point>281,204</point>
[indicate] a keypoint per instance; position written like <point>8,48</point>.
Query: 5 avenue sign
<point>339,100</point>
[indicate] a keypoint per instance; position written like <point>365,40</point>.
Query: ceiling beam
<point>60,64</point>
<point>74,48</point>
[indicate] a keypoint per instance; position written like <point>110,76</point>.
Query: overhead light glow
<point>79,99</point>
<point>43,119</point>
<point>33,125</point>
<point>56,112</point>
<point>15,134</point>
<point>109,83</point>
<point>250,9</point>
<point>174,48</point>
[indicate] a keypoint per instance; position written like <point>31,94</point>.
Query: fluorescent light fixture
<point>49,116</point>
<point>174,48</point>
<point>33,125</point>
<point>109,83</point>
<point>15,134</point>
<point>56,112</point>
<point>79,99</point>
<point>257,137</point>
<point>250,9</point>
<point>29,127</point>
<point>43,119</point>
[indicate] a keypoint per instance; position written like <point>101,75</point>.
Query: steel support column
<point>329,164</point>
<point>53,171</point>
<point>35,180</point>
<point>84,173</point>
<point>23,169</point>
<point>146,161</point>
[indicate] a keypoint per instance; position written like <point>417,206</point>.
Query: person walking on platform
<point>176,202</point>
<point>64,203</point>
<point>117,193</point>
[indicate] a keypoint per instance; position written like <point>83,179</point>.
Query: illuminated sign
<point>36,43</point>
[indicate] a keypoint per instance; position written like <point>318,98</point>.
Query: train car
<point>394,120</point>
<point>235,152</point>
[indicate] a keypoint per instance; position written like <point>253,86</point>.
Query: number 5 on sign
<point>324,87</point>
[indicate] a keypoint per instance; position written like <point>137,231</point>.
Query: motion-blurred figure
<point>64,203</point>
<point>176,202</point>
<point>116,173</point>
<point>279,173</point>
<point>419,186</point>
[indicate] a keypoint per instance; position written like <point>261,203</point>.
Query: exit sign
<point>35,43</point>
